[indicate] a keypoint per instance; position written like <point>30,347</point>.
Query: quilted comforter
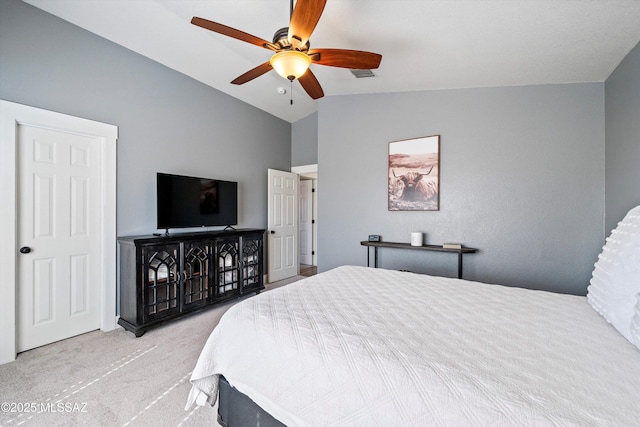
<point>357,346</point>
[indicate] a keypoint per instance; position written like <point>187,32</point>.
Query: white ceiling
<point>437,44</point>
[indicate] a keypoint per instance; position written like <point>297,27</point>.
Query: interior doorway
<point>308,209</point>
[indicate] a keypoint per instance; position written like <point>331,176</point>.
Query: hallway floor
<point>308,270</point>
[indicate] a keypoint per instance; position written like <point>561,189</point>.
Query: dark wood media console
<point>166,277</point>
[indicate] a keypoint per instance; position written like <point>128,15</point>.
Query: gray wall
<point>167,122</point>
<point>522,179</point>
<point>304,141</point>
<point>622,100</point>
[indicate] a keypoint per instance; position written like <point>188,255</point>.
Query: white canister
<point>416,238</point>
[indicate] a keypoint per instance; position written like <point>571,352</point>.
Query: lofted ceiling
<point>431,44</point>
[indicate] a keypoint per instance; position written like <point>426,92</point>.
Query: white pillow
<point>615,282</point>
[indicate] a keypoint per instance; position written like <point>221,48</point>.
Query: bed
<point>359,346</point>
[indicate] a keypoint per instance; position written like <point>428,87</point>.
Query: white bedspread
<point>358,346</point>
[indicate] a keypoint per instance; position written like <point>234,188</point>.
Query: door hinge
<point>313,190</point>
<point>313,252</point>
<point>313,221</point>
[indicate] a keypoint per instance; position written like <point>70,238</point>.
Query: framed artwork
<point>414,174</point>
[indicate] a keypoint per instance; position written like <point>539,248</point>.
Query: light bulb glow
<point>290,64</point>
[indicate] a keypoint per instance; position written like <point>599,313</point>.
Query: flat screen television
<point>187,201</point>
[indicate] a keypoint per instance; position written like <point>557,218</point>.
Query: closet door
<point>59,263</point>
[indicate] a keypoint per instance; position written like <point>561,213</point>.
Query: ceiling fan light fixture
<point>290,64</point>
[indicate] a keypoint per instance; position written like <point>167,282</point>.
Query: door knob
<point>272,232</point>
<point>25,250</point>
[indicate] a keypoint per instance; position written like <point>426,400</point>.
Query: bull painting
<point>414,169</point>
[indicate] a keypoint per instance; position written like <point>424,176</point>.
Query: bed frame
<point>236,409</point>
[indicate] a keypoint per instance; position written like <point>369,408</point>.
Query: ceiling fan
<point>293,55</point>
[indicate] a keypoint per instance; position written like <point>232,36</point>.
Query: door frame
<point>12,115</point>
<point>309,230</point>
<point>311,172</point>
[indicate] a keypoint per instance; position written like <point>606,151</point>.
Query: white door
<point>282,239</point>
<point>306,222</point>
<point>59,196</point>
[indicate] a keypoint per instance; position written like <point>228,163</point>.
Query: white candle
<point>416,238</point>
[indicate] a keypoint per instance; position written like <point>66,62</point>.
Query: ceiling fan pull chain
<point>291,83</point>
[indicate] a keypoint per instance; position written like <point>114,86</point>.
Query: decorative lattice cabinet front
<point>252,267</point>
<point>164,278</point>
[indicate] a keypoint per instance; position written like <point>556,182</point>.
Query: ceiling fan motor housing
<point>281,38</point>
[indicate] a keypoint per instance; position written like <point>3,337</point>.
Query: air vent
<point>360,74</point>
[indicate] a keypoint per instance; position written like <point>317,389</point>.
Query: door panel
<point>59,194</point>
<point>44,279</point>
<point>43,199</point>
<point>79,283</point>
<point>79,208</point>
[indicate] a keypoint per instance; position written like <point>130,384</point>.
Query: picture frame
<point>414,174</point>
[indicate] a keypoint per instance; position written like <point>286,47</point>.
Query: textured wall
<point>167,122</point>
<point>522,179</point>
<point>304,141</point>
<point>622,100</point>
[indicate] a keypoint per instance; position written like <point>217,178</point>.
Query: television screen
<point>187,201</point>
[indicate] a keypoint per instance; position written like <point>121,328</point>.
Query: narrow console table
<point>434,248</point>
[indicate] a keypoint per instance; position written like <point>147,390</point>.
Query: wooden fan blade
<point>304,19</point>
<point>311,85</point>
<point>232,32</point>
<point>344,58</point>
<point>253,73</point>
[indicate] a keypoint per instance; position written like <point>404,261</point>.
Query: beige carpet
<point>112,378</point>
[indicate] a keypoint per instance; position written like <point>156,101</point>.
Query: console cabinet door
<point>161,281</point>
<point>227,259</point>
<point>251,263</point>
<point>198,278</point>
